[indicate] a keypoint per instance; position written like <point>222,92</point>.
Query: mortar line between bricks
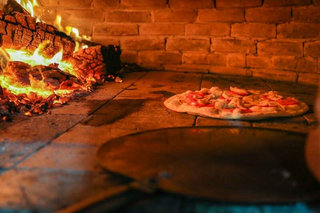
<point>48,143</point>
<point>26,198</point>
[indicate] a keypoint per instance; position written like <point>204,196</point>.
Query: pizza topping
<point>288,101</point>
<point>237,91</point>
<point>216,91</point>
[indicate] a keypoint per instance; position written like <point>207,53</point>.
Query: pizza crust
<point>178,103</point>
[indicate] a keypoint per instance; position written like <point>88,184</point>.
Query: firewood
<point>12,6</point>
<point>21,31</point>
<point>95,63</point>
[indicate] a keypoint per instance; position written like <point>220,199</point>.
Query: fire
<point>73,32</point>
<point>38,88</point>
<point>37,59</point>
<point>28,5</point>
<point>33,82</point>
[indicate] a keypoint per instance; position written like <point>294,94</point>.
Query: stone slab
<point>78,107</point>
<point>12,153</point>
<point>110,90</point>
<point>156,85</point>
<point>65,157</point>
<point>102,127</point>
<point>42,128</point>
<point>295,124</point>
<point>40,190</point>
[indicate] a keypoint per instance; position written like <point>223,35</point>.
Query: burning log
<point>93,64</point>
<point>12,6</point>
<point>32,89</point>
<point>36,89</point>
<point>21,31</point>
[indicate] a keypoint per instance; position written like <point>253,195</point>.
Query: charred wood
<point>21,31</point>
<point>94,64</point>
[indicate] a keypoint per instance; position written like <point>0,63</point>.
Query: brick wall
<point>277,39</point>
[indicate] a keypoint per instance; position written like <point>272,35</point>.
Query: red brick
<point>312,49</point>
<point>142,43</point>
<point>236,60</point>
<point>298,30</point>
<point>275,75</point>
<point>204,58</point>
<point>105,29</point>
<point>188,44</point>
<point>188,68</point>
<point>238,3</point>
<point>159,57</point>
<point>221,15</point>
<point>105,4</point>
<point>253,30</point>
<point>129,57</point>
<point>76,3</point>
<point>276,3</point>
<point>230,70</point>
<point>81,16</point>
<point>259,62</point>
<point>144,4</point>
<point>215,30</point>
<point>280,48</point>
<point>105,40</point>
<point>128,16</point>
<point>284,62</point>
<point>306,64</point>
<point>161,29</point>
<point>273,15</point>
<point>308,78</point>
<point>174,15</point>
<point>309,14</point>
<point>191,4</point>
<point>233,46</point>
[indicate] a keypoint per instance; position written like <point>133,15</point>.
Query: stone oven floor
<point>48,162</point>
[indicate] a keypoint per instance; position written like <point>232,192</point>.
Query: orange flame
<point>28,5</point>
<point>37,59</point>
<point>37,87</point>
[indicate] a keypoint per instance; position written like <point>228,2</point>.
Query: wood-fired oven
<point>81,79</point>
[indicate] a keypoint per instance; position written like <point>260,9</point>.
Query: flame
<point>36,87</point>
<point>33,86</point>
<point>40,88</point>
<point>28,5</point>
<point>72,32</point>
<point>37,59</point>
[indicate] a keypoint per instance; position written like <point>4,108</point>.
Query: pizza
<point>236,103</point>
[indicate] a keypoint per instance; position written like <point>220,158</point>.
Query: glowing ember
<point>37,59</point>
<point>32,82</point>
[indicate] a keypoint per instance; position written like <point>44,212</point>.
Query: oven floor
<point>48,162</point>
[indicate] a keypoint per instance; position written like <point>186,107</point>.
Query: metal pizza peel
<point>241,165</point>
